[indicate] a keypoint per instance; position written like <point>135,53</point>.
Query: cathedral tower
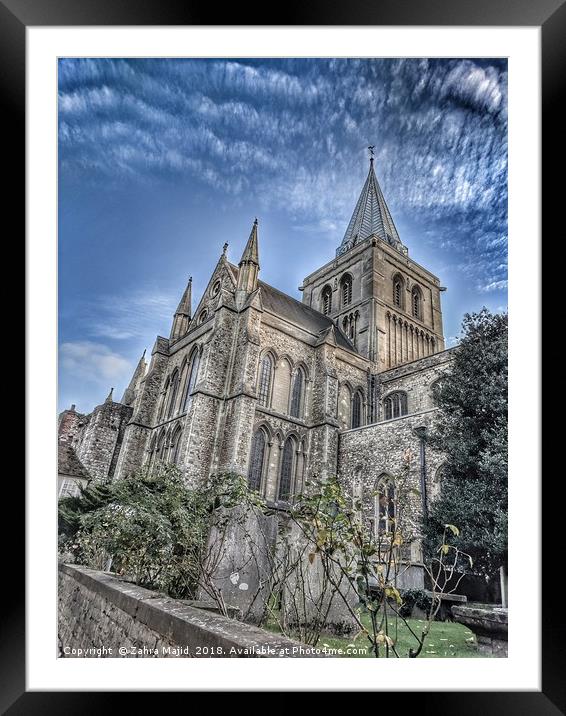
<point>386,303</point>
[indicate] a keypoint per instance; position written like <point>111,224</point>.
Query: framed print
<point>283,300</point>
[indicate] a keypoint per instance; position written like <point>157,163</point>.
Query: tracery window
<point>395,405</point>
<point>385,506</point>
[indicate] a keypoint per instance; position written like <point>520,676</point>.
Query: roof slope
<point>287,307</point>
<point>281,304</point>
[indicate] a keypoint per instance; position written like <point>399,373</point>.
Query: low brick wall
<point>101,615</point>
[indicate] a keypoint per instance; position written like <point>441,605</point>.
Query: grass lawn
<point>445,640</point>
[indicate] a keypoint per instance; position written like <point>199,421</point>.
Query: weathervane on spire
<point>371,152</point>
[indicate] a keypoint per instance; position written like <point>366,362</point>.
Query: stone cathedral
<point>255,381</point>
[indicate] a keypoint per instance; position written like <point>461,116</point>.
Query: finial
<point>109,399</point>
<point>224,249</point>
<point>255,221</point>
<point>190,279</point>
<point>371,152</point>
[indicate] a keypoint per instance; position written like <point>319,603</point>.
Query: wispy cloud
<point>292,132</point>
<point>132,315</point>
<point>93,362</point>
<point>289,137</point>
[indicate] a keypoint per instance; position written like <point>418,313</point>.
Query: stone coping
<point>185,625</point>
<point>483,620</point>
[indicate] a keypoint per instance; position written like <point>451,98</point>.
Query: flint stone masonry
<point>101,615</point>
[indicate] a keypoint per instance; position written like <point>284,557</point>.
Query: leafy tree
<point>472,432</point>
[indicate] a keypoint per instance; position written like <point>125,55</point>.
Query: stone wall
<point>367,453</point>
<point>99,443</point>
<point>101,615</point>
<point>416,379</point>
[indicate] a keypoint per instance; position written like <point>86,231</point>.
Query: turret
<point>130,392</point>
<point>182,316</point>
<point>249,268</point>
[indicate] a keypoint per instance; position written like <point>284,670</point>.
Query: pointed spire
<point>251,252</point>
<point>130,392</point>
<point>109,398</point>
<point>182,315</point>
<point>184,306</point>
<point>249,268</point>
<point>371,216</point>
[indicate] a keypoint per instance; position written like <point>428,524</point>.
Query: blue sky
<point>162,161</point>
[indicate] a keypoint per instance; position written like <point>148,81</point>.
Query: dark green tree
<point>472,432</point>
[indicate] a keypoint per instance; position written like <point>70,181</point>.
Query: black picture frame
<point>550,15</point>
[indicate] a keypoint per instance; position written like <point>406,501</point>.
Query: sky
<point>161,161</point>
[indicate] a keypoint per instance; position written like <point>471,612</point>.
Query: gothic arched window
<point>395,405</point>
<point>175,446</point>
<point>357,405</point>
<point>264,383</point>
<point>173,389</point>
<point>257,460</point>
<point>398,291</point>
<point>287,466</point>
<point>327,300</point>
<point>346,289</point>
<point>192,378</point>
<point>151,452</point>
<point>296,407</point>
<point>163,401</point>
<point>161,447</point>
<point>385,506</point>
<point>416,302</point>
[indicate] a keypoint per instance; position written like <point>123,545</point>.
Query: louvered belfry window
<point>327,300</point>
<point>397,292</point>
<point>346,290</point>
